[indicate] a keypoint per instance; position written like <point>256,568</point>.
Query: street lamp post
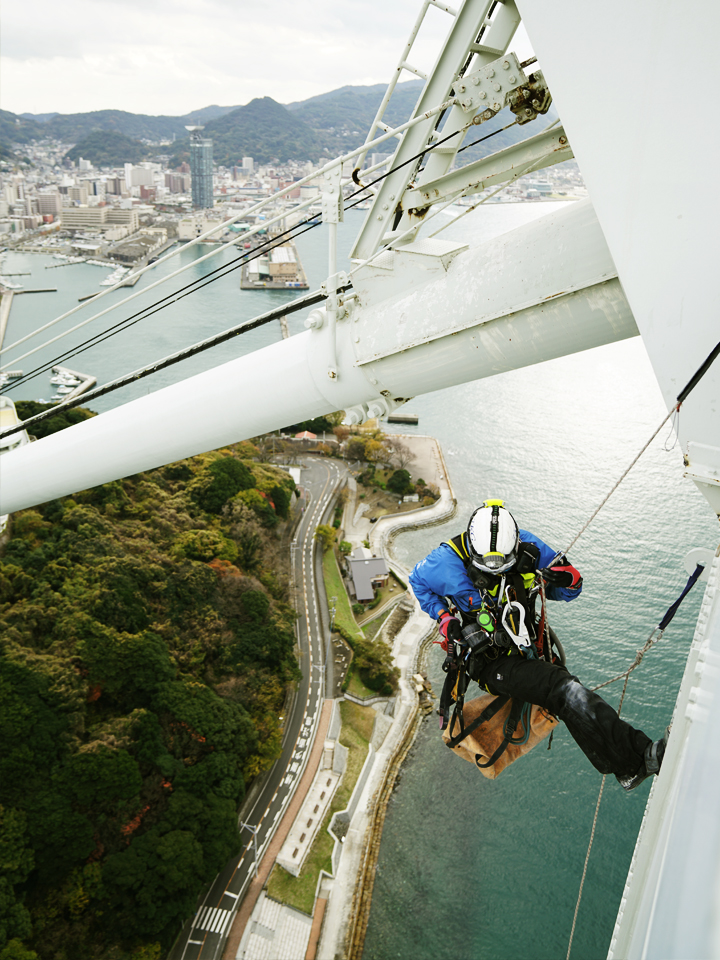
<point>254,831</point>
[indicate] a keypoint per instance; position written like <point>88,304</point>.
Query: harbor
<point>495,449</point>
<point>279,269</point>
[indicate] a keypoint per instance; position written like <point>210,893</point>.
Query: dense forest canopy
<point>104,148</point>
<point>326,125</point>
<point>146,645</point>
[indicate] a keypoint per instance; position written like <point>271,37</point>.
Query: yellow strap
<point>451,544</point>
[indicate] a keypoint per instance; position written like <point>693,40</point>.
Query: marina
<point>548,347</point>
<point>496,450</point>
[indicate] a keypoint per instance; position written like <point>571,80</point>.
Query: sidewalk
<point>429,463</point>
<point>267,862</point>
<point>341,904</point>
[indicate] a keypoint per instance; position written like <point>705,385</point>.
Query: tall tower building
<point>201,168</point>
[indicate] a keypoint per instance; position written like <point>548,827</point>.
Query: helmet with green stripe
<point>493,538</point>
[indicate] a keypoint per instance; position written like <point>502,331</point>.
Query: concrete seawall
<point>349,892</point>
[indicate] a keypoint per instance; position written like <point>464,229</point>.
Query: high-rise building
<point>248,164</point>
<point>49,203</point>
<point>78,193</point>
<point>201,168</point>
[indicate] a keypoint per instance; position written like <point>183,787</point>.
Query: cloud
<point>173,56</point>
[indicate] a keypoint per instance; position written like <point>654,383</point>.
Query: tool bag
<point>485,744</point>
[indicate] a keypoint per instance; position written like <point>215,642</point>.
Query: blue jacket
<point>442,574</point>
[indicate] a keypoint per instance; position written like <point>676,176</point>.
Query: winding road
<point>205,934</point>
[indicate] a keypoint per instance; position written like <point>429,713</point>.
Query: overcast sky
<point>174,56</point>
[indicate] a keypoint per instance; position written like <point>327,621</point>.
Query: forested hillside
<point>146,645</point>
<point>106,149</point>
<point>326,125</point>
<point>264,130</point>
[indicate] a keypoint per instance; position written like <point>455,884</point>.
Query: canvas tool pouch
<point>482,743</point>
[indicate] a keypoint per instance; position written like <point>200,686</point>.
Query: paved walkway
<point>405,650</point>
<point>267,862</point>
<point>428,464</point>
<point>278,933</point>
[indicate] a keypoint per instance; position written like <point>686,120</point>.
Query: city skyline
<point>164,58</point>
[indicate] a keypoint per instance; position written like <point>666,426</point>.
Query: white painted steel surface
<point>644,146</point>
<point>454,54</point>
<point>645,176</point>
<point>539,292</point>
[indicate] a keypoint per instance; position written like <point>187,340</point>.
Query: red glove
<point>562,576</point>
<point>449,627</point>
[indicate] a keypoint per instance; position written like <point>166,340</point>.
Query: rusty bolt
<point>563,140</point>
<point>528,113</point>
<point>536,103</point>
<point>482,95</point>
<point>506,64</point>
<point>461,88</point>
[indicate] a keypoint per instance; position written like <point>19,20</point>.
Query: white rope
<point>575,539</point>
<point>226,223</point>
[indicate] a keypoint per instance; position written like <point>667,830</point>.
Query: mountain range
<point>325,125</point>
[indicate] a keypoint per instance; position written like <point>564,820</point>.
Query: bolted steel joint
<point>315,320</point>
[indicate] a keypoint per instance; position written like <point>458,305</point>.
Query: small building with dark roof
<point>367,573</point>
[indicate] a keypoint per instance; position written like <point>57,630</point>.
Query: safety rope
<point>617,484</point>
<point>655,635</point>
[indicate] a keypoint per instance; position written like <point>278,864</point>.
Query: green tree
<point>16,863</point>
<point>127,667</point>
<point>220,481</point>
<point>325,534</point>
<point>400,483</point>
<point>99,778</point>
<point>152,885</point>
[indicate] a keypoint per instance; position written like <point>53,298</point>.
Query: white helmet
<point>493,538</point>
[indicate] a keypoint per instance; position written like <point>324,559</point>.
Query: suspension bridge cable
<point>170,297</point>
<point>220,271</point>
<point>328,166</point>
<point>152,308</point>
<point>292,307</point>
<point>198,284</point>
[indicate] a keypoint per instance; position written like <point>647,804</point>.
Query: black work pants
<point>610,744</point>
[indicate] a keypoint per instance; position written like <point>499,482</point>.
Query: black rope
<point>699,374</point>
<point>198,284</point>
<point>673,608</point>
<point>213,341</point>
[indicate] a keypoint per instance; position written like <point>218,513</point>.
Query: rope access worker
<point>481,587</point>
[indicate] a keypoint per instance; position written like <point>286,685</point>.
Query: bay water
<point>471,868</point>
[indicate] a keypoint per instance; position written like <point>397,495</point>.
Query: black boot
<point>652,761</point>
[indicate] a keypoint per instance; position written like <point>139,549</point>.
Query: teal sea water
<point>470,868</point>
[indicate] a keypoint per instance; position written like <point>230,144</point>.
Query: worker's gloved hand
<point>564,575</point>
<point>449,628</point>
